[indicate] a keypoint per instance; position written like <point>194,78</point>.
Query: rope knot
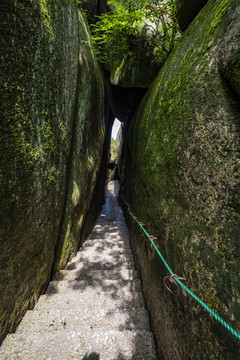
<point>172,280</point>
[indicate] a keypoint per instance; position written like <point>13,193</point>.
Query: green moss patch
<point>183,183</point>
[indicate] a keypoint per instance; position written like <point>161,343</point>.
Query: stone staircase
<point>93,309</point>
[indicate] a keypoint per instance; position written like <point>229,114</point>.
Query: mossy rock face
<point>187,10</point>
<point>38,82</point>
<point>87,145</point>
<point>182,181</point>
<point>134,71</point>
<point>44,124</point>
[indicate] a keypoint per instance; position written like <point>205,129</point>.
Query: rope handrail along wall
<point>177,280</point>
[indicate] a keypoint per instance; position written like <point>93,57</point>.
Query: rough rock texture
<point>93,309</point>
<point>182,181</point>
<point>135,71</point>
<point>187,10</point>
<point>87,145</point>
<point>40,68</point>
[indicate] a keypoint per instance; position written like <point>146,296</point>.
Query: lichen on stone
<point>181,172</point>
<point>39,70</point>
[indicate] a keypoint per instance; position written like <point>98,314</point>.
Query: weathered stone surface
<point>182,181</point>
<point>44,126</point>
<point>187,11</point>
<point>139,69</point>
<point>135,71</point>
<point>38,72</point>
<point>87,143</point>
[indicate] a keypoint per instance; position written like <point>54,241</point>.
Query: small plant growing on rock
<point>154,23</point>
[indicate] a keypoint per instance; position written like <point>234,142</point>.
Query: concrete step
<point>104,235</point>
<point>121,317</point>
<point>90,255</point>
<point>94,274</point>
<point>93,344</point>
<point>109,235</point>
<point>101,265</point>
<point>109,254</point>
<point>115,287</point>
<point>112,251</point>
<point>113,234</point>
<point>111,270</point>
<point>79,300</point>
<point>114,227</point>
<point>102,245</point>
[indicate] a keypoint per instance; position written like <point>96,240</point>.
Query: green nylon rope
<point>213,313</point>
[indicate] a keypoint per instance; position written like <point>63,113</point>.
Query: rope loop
<point>172,280</point>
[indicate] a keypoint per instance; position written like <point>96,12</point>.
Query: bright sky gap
<point>115,128</point>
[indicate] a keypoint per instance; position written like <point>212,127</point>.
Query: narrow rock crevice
<point>179,171</point>
<point>124,101</point>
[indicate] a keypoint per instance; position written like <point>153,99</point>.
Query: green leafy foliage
<point>114,149</point>
<point>80,2</point>
<point>152,22</point>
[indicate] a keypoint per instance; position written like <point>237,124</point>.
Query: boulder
<point>187,10</point>
<point>45,127</point>
<point>87,147</point>
<point>134,71</point>
<point>181,179</point>
<point>39,76</point>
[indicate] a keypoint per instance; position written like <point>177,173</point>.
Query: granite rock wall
<point>52,132</point>
<point>181,178</point>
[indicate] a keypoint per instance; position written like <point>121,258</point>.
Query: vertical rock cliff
<point>87,146</point>
<point>181,178</point>
<point>52,133</point>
